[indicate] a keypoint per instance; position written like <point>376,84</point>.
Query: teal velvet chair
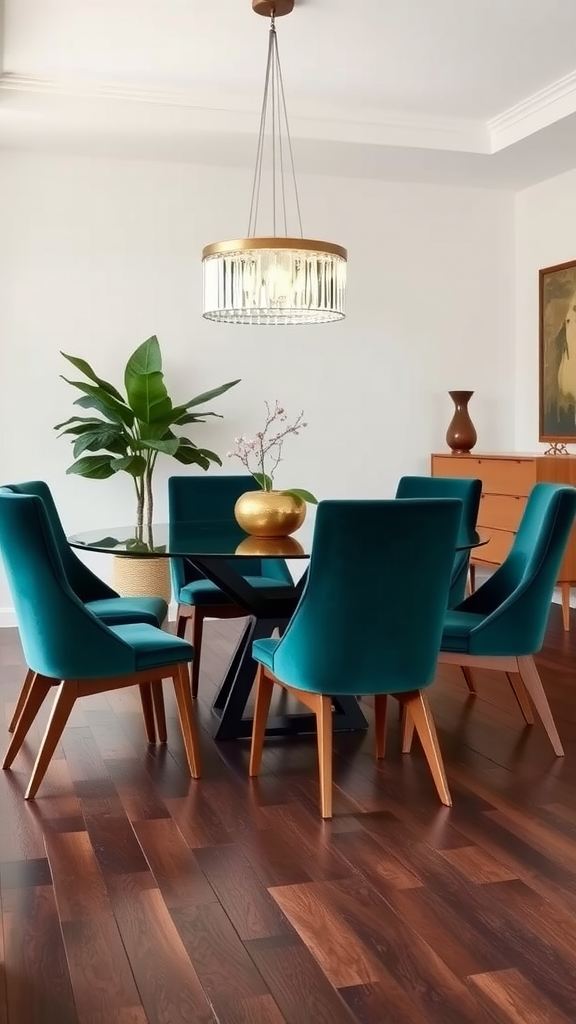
<point>501,626</point>
<point>398,556</point>
<point>100,599</point>
<point>201,499</point>
<point>469,492</point>
<point>65,643</point>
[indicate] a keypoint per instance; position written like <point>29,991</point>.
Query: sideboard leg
<point>566,605</point>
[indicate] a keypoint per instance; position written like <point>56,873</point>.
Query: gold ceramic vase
<point>270,513</point>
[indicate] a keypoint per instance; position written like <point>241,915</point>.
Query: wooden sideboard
<point>507,480</point>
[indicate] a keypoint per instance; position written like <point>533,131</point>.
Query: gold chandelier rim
<point>272,242</point>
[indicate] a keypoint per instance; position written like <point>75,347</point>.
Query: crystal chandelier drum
<point>274,281</point>
<point>277,278</point>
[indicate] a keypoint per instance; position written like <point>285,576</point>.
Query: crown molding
<point>62,103</point>
<point>531,115</point>
<point>209,110</point>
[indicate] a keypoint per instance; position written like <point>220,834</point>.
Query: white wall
<point>545,236</point>
<point>97,255</point>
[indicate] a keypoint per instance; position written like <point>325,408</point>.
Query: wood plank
<point>168,985</point>
<point>126,1015</point>
<point>342,956</point>
<point>99,970</point>
<point>515,1000</point>
<point>226,972</point>
<point>248,904</point>
<point>173,864</point>
<point>38,984</point>
<point>297,983</point>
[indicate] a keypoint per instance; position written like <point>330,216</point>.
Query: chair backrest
<point>61,638</point>
<point>371,615</point>
<point>212,498</point>
<point>516,598</point>
<point>469,491</point>
<point>85,584</point>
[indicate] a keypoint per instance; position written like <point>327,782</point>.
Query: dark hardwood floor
<point>131,894</point>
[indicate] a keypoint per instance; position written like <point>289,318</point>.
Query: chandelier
<point>274,279</point>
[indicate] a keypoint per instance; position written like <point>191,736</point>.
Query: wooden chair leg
<point>23,696</point>
<point>380,712</point>
<point>406,729</point>
<point>467,673</point>
<point>196,641</point>
<point>264,689</point>
<point>159,710</point>
<point>565,588</point>
<point>419,712</point>
<point>36,696</point>
<point>324,737</point>
<point>519,691</point>
<point>65,699</point>
<point>148,711</point>
<point>181,681</point>
<point>531,679</point>
<point>181,623</point>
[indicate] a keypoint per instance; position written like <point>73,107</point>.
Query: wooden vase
<point>461,435</point>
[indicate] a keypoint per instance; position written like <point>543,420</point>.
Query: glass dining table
<point>218,550</point>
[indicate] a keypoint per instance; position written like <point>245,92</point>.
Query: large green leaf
<point>192,417</point>
<point>106,438</point>
<point>95,467</point>
<point>78,420</point>
<point>148,397</point>
<point>190,455</point>
<point>87,370</point>
<point>299,492</point>
<point>207,396</point>
<point>147,358</point>
<point>264,481</point>
<point>87,402</point>
<point>144,380</point>
<point>135,465</point>
<point>168,446</point>
<point>84,426</point>
<point>156,431</point>
<point>108,401</point>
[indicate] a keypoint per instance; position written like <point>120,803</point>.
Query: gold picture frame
<point>557,365</point>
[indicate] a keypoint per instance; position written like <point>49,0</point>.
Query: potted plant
<point>270,512</point>
<point>125,433</point>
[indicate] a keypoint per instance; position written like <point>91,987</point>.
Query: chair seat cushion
<point>263,651</point>
<point>152,646</point>
<point>457,629</point>
<point>118,611</point>
<point>205,592</point>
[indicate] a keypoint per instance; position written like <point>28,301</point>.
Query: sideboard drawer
<point>496,549</point>
<point>501,511</point>
<point>454,465</point>
<point>507,476</point>
<point>498,476</point>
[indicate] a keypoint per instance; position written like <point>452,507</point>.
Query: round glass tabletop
<point>206,540</point>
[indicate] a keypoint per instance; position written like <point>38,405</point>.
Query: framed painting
<point>557,384</point>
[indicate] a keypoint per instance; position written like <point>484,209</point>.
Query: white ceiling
<point>480,91</point>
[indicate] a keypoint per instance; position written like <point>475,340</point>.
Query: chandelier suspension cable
<point>282,98</point>
<point>274,95</point>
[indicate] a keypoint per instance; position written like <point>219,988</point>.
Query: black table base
<point>268,608</point>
